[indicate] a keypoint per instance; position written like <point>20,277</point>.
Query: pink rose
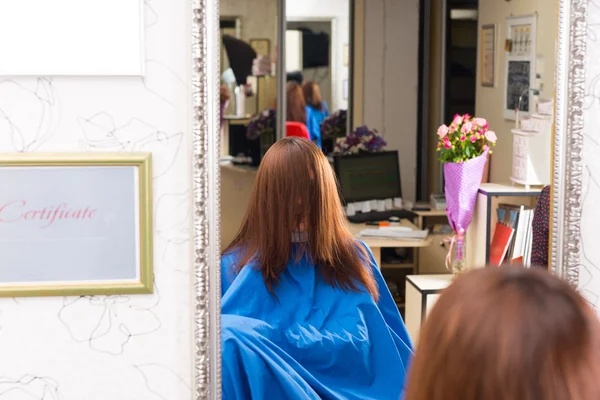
<point>480,122</point>
<point>463,138</point>
<point>442,131</point>
<point>457,120</point>
<point>466,116</point>
<point>447,145</point>
<point>467,127</point>
<point>491,136</point>
<point>473,138</point>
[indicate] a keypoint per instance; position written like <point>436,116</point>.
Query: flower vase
<point>462,181</point>
<point>457,264</point>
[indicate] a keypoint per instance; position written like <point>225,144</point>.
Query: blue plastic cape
<point>313,341</point>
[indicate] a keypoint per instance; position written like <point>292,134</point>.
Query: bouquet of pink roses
<point>463,146</point>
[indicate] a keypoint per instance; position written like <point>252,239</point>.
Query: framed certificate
<point>75,224</point>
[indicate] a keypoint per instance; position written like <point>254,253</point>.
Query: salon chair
<point>297,129</point>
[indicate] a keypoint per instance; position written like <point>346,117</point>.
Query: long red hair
<point>312,95</point>
<point>508,333</point>
<point>296,104</point>
<point>296,190</point>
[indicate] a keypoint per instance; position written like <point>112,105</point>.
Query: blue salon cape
<point>314,118</point>
<point>313,342</point>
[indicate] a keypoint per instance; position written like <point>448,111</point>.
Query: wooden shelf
<point>480,231</point>
<point>431,213</point>
<point>398,266</point>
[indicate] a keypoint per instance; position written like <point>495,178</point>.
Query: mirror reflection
<point>248,82</point>
<point>249,90</point>
<point>317,64</point>
<point>415,144</point>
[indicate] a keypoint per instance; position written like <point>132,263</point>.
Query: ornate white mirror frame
<point>205,158</point>
<point>568,140</point>
<point>575,253</point>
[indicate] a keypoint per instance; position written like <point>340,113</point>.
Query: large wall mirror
<point>281,46</point>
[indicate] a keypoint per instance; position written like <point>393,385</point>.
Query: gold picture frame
<point>40,221</point>
<point>488,55</point>
<point>261,46</point>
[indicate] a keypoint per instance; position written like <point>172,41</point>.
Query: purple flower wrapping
<point>261,123</point>
<point>361,139</point>
<point>462,183</point>
<point>334,126</point>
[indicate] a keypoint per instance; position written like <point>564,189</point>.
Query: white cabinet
<point>532,151</point>
<point>422,291</point>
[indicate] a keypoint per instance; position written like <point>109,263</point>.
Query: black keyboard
<point>376,216</point>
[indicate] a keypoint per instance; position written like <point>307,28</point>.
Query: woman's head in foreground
<point>508,333</point>
<point>296,191</point>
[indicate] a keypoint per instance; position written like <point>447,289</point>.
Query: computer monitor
<point>368,176</point>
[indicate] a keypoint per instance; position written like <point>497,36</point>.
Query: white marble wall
<point>116,347</point>
<point>589,275</point>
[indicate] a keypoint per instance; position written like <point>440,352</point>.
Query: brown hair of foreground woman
<point>508,333</point>
<point>296,191</point>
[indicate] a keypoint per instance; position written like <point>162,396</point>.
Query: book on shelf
<point>518,260</point>
<point>500,243</point>
<point>508,215</point>
<point>519,219</point>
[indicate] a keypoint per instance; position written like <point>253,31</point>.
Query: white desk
<point>422,291</point>
<point>376,244</point>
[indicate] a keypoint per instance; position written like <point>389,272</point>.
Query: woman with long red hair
<point>306,313</point>
<point>316,110</point>
<point>508,333</point>
<point>296,105</point>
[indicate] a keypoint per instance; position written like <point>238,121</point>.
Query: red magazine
<point>500,243</point>
<point>517,261</point>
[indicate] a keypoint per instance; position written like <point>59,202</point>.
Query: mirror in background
<point>248,81</point>
<point>248,101</point>
<point>316,96</point>
<point>317,51</point>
